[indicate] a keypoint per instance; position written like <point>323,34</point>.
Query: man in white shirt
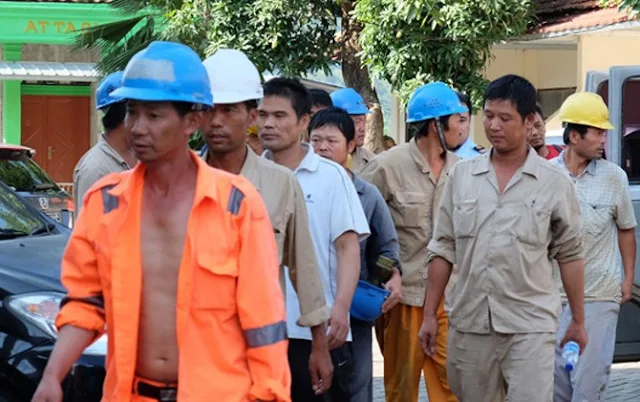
<point>336,221</point>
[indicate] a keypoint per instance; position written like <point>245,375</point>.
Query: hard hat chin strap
<point>443,141</point>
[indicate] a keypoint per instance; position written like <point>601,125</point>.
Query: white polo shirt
<point>333,208</point>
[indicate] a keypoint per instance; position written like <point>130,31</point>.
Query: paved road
<point>623,387</point>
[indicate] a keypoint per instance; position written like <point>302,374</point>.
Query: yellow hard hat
<point>586,108</point>
<point>253,130</point>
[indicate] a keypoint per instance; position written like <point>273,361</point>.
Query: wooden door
<point>58,128</point>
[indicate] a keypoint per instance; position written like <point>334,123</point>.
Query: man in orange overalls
<point>177,259</point>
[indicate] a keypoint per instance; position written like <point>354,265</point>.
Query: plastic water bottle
<point>570,354</point>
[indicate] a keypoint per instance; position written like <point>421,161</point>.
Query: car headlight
<point>41,309</point>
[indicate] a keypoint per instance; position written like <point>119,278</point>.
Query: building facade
<point>47,85</point>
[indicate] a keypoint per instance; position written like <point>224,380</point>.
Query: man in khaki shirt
<point>411,178</point>
<point>235,86</point>
<point>503,216</point>
<point>351,102</point>
<point>112,153</point>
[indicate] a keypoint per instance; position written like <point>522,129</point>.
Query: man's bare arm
<point>627,245</point>
<point>572,274</point>
<point>72,341</point>
<point>437,280</point>
<point>348,253</point>
<point>439,273</point>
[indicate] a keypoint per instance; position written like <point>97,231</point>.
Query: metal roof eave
<point>44,71</point>
<point>577,31</point>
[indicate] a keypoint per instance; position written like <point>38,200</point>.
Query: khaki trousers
<point>490,367</point>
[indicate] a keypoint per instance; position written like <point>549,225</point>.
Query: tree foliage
<point>288,36</point>
<point>632,6</point>
<point>410,43</point>
<point>405,42</point>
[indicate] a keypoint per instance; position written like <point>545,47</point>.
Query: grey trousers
<point>589,380</point>
<point>362,381</point>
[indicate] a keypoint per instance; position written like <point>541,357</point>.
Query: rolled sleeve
<point>260,301</point>
<point>301,259</point>
<point>443,243</point>
<point>79,314</point>
<point>566,242</point>
<point>81,278</point>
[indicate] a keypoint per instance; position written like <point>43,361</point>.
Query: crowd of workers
<point>236,283</point>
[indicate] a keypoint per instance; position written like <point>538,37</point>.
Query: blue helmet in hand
<point>367,301</point>
<point>166,72</point>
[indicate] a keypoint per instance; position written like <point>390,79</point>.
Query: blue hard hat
<point>166,72</point>
<point>109,84</point>
<point>433,100</point>
<point>367,301</point>
<point>350,101</point>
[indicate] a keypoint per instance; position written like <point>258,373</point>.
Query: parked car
<point>19,171</point>
<point>31,248</point>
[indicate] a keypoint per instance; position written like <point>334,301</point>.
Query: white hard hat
<point>233,77</point>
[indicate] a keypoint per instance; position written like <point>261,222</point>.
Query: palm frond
<point>130,6</point>
<point>116,60</point>
<point>115,56</point>
<point>112,32</point>
<point>133,6</point>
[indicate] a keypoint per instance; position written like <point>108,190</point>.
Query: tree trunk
<point>357,77</point>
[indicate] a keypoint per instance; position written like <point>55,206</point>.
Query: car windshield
<point>16,218</point>
<point>20,172</point>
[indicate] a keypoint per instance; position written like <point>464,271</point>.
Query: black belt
<point>161,394</point>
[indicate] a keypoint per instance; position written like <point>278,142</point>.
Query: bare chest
<point>162,241</point>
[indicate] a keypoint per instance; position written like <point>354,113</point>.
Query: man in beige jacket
<point>503,217</point>
<point>411,178</point>
<point>236,89</point>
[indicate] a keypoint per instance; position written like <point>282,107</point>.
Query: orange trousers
<point>404,360</point>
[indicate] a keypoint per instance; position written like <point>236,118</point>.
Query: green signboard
<point>48,24</point>
<point>51,23</point>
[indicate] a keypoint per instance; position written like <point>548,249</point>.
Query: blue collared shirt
<point>469,149</point>
<point>383,240</point>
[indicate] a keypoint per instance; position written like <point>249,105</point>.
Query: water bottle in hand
<point>570,353</point>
